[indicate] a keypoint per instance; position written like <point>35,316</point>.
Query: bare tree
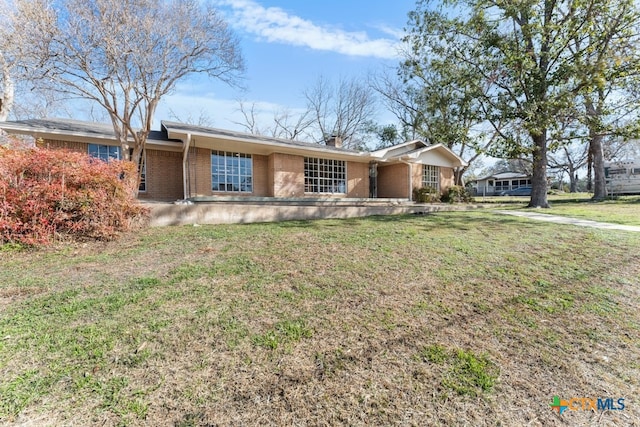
<point>6,88</point>
<point>125,55</point>
<point>343,110</point>
<point>402,101</point>
<point>570,158</point>
<point>250,120</point>
<point>203,119</point>
<point>429,106</point>
<point>292,126</point>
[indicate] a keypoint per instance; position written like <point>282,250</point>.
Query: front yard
<point>461,318</point>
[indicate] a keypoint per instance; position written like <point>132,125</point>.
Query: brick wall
<point>393,181</point>
<point>164,176</point>
<point>164,170</point>
<point>79,147</point>
<point>357,179</point>
<point>199,164</point>
<point>416,176</point>
<point>446,178</point>
<point>199,171</point>
<point>288,175</point>
<point>261,186</point>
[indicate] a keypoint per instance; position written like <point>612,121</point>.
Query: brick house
<point>191,162</point>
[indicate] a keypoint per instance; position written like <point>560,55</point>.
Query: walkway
<point>572,221</point>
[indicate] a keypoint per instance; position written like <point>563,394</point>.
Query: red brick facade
<point>393,181</point>
<point>276,175</point>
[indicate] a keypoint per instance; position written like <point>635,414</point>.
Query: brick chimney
<point>334,141</point>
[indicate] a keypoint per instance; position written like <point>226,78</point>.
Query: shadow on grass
<point>457,221</point>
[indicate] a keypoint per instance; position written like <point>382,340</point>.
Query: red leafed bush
<point>49,193</point>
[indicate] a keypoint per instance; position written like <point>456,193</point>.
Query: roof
<point>76,129</point>
<point>505,175</point>
<point>228,140</point>
<point>418,151</point>
<point>172,135</point>
<point>181,129</point>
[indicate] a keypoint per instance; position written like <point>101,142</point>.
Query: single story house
<point>494,185</point>
<point>184,161</point>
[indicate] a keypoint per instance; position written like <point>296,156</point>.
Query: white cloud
<point>277,26</point>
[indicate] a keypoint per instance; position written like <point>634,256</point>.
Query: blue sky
<point>287,45</point>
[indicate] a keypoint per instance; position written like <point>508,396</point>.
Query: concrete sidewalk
<point>571,221</point>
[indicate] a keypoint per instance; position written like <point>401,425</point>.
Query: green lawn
<point>462,318</point>
<point>620,210</point>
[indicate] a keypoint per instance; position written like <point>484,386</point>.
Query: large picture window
<point>431,177</point>
<point>325,176</point>
<point>112,152</point>
<point>231,172</point>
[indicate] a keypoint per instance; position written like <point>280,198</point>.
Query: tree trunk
<point>539,179</point>
<point>457,176</point>
<point>573,179</point>
<point>599,182</point>
<point>8,89</point>
<point>590,170</point>
<point>595,114</point>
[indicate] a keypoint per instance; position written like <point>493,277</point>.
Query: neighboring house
<point>184,162</point>
<point>494,185</point>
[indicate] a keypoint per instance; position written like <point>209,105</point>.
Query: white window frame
<point>431,177</point>
<point>235,176</point>
<point>325,176</point>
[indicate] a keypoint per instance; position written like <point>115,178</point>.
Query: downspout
<point>410,178</point>
<point>185,153</point>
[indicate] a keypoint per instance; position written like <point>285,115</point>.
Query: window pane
<point>231,172</point>
<point>324,176</point>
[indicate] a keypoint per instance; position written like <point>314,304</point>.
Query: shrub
<point>426,195</point>
<point>457,194</point>
<point>47,193</point>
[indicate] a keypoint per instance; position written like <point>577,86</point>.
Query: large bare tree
<point>341,110</point>
<point>6,87</point>
<point>124,55</point>
<point>344,109</point>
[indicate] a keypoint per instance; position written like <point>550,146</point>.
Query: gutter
<point>185,152</point>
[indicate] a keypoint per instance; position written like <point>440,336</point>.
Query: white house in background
<point>494,185</point>
<point>623,177</point>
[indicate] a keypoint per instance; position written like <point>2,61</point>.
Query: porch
<point>244,210</point>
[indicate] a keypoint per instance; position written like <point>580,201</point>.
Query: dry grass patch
<point>449,319</point>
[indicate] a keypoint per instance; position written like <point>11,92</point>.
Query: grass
<point>618,210</point>
<point>443,319</point>
<point>622,210</point>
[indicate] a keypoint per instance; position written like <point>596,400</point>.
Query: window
<point>104,152</point>
<point>619,171</point>
<point>431,177</point>
<point>142,167</point>
<point>111,152</point>
<point>325,176</point>
<point>502,185</point>
<point>231,172</point>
